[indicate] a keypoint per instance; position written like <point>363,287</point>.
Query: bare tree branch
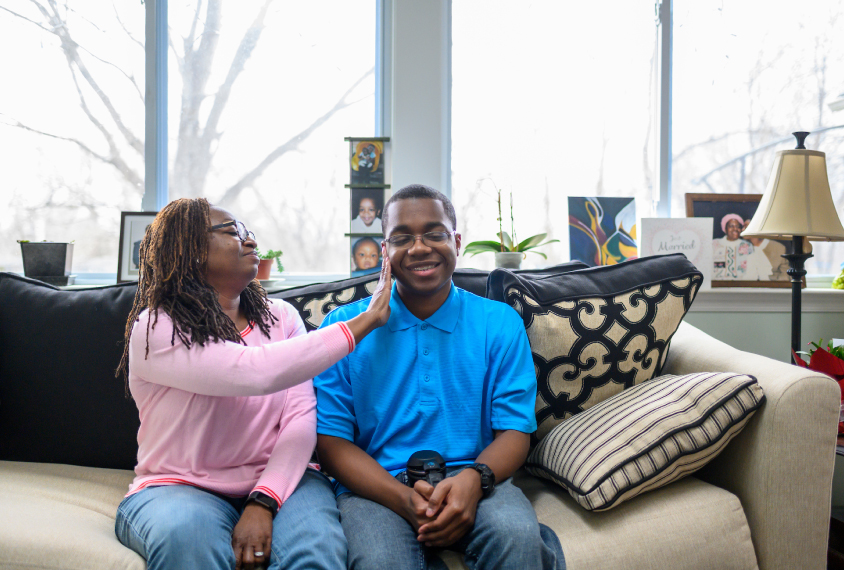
<point>127,172</point>
<point>129,35</point>
<point>69,47</point>
<point>292,144</point>
<point>54,31</point>
<point>244,51</point>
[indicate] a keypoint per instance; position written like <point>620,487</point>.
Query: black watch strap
<point>263,499</point>
<point>487,478</point>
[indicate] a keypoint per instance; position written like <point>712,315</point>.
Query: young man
<point>451,372</point>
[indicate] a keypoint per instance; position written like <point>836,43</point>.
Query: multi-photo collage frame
<point>368,175</point>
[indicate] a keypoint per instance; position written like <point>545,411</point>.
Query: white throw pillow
<point>646,436</point>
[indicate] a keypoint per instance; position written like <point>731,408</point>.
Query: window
<point>71,126</point>
<point>549,100</point>
<point>746,75</point>
<point>260,98</point>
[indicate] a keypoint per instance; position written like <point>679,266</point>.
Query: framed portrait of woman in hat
<point>738,261</point>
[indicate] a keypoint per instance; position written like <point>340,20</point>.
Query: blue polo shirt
<point>444,383</point>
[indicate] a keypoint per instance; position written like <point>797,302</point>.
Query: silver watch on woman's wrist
<point>487,478</point>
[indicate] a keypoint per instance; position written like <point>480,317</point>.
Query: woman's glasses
<point>242,233</point>
<point>431,239</point>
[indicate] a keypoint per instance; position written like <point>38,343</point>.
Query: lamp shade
<point>797,201</point>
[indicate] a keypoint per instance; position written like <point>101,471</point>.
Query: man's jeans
<point>182,527</point>
<point>506,535</point>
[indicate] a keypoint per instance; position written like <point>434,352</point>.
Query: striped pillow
<point>646,436</point>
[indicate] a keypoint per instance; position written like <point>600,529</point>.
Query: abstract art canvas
<point>602,231</point>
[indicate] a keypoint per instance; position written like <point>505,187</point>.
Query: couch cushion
<point>646,436</point>
<point>60,517</point>
<point>314,302</point>
<point>59,399</point>
<point>687,525</point>
<point>597,331</point>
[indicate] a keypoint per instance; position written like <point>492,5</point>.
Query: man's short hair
<point>419,191</point>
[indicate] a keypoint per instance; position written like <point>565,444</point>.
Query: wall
<point>759,320</point>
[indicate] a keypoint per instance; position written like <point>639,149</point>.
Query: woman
<point>221,377</point>
<point>736,258</point>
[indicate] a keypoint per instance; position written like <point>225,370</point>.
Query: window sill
<point>762,300</point>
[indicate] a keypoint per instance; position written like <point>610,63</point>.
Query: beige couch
<point>763,503</point>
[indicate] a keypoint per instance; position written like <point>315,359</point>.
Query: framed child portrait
<point>738,261</point>
<point>365,255</point>
<point>366,207</point>
<point>133,226</point>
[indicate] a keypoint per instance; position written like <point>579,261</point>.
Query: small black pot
<point>47,261</point>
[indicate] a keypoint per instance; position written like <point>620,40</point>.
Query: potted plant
<point>509,252</point>
<point>266,263</point>
<point>47,261</point>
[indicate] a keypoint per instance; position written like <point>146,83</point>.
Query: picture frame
<point>133,225</point>
<point>602,229</point>
<point>366,208</point>
<point>368,161</point>
<point>740,262</point>
<point>690,236</point>
<point>365,255</point>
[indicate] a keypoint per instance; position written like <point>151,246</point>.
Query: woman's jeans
<point>182,527</point>
<point>506,535</point>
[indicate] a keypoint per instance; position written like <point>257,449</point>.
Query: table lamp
<point>797,204</point>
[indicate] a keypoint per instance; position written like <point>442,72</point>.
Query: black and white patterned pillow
<point>314,302</point>
<point>597,331</point>
<point>646,437</point>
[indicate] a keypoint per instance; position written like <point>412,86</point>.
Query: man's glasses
<point>431,239</point>
<point>242,233</point>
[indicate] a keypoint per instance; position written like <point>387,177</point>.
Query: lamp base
<point>796,270</point>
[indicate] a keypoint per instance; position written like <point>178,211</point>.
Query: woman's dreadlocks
<point>173,254</point>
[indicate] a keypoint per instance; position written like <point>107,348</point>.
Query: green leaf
<point>530,242</point>
<point>539,253</point>
<point>477,247</point>
<point>508,243</point>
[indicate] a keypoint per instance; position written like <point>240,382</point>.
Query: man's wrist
<point>475,478</point>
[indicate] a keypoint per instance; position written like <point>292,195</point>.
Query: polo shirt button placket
<point>424,327</point>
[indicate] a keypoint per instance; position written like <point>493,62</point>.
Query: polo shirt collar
<point>445,318</point>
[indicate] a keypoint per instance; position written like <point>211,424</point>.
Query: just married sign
<point>689,236</point>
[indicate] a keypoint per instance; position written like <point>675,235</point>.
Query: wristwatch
<point>487,478</point>
<point>264,500</point>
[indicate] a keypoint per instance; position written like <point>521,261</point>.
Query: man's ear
<point>457,239</point>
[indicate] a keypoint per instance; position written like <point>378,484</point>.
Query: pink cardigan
<point>227,417</point>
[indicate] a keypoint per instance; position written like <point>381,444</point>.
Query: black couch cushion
<point>314,302</point>
<point>59,399</point>
<point>597,331</point>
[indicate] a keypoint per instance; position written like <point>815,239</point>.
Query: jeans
<point>506,535</point>
<point>179,527</point>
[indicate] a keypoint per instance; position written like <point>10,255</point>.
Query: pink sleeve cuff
<point>338,339</point>
<point>349,336</point>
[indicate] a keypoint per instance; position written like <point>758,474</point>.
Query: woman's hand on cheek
<point>379,304</point>
<point>378,312</point>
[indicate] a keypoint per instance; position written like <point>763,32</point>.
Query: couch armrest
<point>781,465</point>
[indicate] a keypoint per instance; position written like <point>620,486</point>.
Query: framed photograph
<point>133,225</point>
<point>366,207</point>
<point>365,255</point>
<point>740,262</point>
<point>690,236</point>
<point>601,229</point>
<point>366,161</point>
